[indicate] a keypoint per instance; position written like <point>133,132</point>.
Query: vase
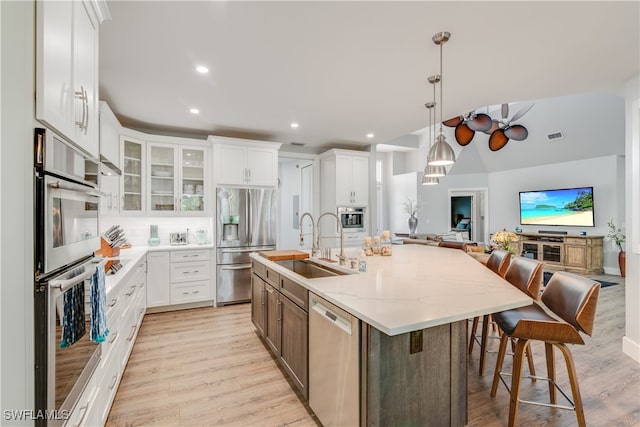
<point>413,225</point>
<point>622,262</point>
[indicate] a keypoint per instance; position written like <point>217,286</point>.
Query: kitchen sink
<point>310,269</point>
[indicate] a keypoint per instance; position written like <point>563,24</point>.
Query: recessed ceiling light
<point>194,111</point>
<point>370,135</point>
<point>294,125</point>
<point>202,69</point>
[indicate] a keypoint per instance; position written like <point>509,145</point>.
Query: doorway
<point>468,213</point>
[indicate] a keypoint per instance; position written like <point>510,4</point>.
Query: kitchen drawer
<point>190,271</point>
<point>191,292</point>
<point>259,268</point>
<point>191,255</point>
<point>575,242</point>
<point>111,344</point>
<point>108,385</point>
<point>296,293</point>
<point>272,278</point>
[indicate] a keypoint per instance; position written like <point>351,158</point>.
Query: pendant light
<point>433,171</point>
<point>441,154</point>
<point>427,178</point>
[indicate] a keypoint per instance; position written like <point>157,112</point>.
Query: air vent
<point>298,144</point>
<point>555,136</point>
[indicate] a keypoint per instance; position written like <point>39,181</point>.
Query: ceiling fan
<point>500,130</point>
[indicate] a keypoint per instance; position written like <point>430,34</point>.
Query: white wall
<point>17,28</point>
<point>289,175</point>
<point>631,340</point>
<point>403,187</point>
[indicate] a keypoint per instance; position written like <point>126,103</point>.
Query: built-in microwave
<point>353,219</point>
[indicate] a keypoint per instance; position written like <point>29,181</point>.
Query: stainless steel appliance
<point>245,223</point>
<point>66,235</point>
<point>353,219</point>
<point>334,380</point>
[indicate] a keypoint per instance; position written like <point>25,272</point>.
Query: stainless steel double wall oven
<point>66,235</point>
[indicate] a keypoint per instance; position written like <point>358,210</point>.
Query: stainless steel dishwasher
<point>334,380</point>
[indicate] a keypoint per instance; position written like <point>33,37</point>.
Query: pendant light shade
<point>427,180</point>
<point>432,171</point>
<point>441,154</point>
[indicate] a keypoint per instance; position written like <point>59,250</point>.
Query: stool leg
<point>532,368</point>
<point>516,377</point>
<point>474,329</point>
<point>551,371</point>
<point>573,380</point>
<point>486,320</point>
<point>504,340</point>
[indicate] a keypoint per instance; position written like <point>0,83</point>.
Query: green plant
<point>615,234</point>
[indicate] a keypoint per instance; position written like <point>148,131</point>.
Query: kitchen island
<point>412,308</point>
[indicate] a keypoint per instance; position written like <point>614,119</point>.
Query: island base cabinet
<point>427,387</point>
<point>293,343</point>
<point>257,303</point>
<point>272,325</point>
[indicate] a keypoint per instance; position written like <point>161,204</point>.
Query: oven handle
<point>77,187</point>
<point>67,284</point>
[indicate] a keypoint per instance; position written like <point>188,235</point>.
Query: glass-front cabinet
<point>132,175</point>
<point>192,185</point>
<point>162,195</point>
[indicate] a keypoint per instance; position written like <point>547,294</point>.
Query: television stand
<point>576,254</point>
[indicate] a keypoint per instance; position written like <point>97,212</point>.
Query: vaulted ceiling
<point>344,69</point>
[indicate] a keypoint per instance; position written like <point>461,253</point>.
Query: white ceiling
<point>344,69</point>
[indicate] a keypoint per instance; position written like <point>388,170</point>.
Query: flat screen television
<point>565,207</point>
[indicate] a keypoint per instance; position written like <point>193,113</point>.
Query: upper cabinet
<point>67,69</point>
<point>109,137</point>
<point>244,162</point>
<point>176,179</point>
<point>132,175</point>
<point>345,178</point>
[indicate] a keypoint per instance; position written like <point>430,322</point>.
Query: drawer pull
<point>191,272</point>
<point>191,256</point>
<point>133,332</point>
<point>190,292</point>
<point>113,383</point>
<point>141,284</point>
<point>113,302</point>
<point>113,337</point>
<point>85,409</point>
<point>133,289</point>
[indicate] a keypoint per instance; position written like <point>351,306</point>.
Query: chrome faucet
<point>341,257</point>
<point>314,248</point>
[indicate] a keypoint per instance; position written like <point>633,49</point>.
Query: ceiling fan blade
<point>463,134</point>
<point>497,140</point>
<point>453,122</point>
<point>480,123</point>
<point>524,110</point>
<point>505,111</point>
<point>495,125</point>
<point>516,132</point>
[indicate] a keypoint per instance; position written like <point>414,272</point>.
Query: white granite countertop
<point>417,287</point>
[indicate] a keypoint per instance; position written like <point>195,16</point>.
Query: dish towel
<point>73,325</point>
<point>98,322</point>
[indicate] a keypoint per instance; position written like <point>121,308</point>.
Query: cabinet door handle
<point>113,383</point>
<point>86,102</point>
<point>262,296</point>
<point>82,95</point>
<point>133,332</point>
<point>279,310</point>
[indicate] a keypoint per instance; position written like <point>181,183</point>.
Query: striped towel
<point>98,322</point>
<point>73,326</point>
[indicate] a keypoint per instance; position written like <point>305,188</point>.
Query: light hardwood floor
<point>208,367</point>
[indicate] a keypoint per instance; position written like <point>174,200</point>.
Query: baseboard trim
<point>631,349</point>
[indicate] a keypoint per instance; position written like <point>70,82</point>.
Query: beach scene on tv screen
<point>572,206</point>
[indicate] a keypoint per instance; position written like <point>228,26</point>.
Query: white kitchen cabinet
<point>345,178</point>
<point>67,70</point>
<point>109,137</point>
<point>110,186</point>
<point>132,182</point>
<point>176,179</point>
<point>245,162</point>
<point>158,273</point>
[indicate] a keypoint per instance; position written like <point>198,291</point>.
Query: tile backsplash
<point>137,229</point>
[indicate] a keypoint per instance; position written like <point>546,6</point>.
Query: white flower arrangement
<point>615,234</point>
<point>412,206</point>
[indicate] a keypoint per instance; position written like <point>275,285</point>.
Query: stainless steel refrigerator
<point>245,223</point>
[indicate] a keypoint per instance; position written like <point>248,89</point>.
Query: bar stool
<point>573,299</point>
<point>498,262</point>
